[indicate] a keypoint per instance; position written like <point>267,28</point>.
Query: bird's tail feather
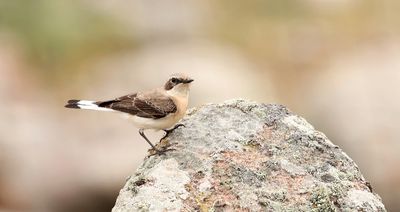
<point>85,104</point>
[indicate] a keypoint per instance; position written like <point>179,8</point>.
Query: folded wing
<point>147,105</point>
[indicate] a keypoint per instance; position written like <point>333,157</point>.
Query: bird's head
<point>178,85</point>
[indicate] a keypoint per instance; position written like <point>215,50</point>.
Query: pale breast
<point>166,122</point>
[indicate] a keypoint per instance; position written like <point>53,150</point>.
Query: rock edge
<point>245,156</point>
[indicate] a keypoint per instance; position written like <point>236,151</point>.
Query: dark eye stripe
<point>176,80</point>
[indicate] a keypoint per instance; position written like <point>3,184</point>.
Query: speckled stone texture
<point>245,156</point>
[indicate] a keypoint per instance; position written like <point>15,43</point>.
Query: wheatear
<point>157,109</point>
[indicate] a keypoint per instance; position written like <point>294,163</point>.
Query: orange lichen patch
<point>266,133</point>
<point>293,185</point>
<point>196,199</point>
<point>223,198</point>
<point>220,194</point>
<point>359,185</point>
<point>249,158</point>
<point>270,135</point>
<point>219,199</point>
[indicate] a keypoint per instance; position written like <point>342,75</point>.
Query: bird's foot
<point>167,132</point>
<point>161,148</point>
<point>159,151</point>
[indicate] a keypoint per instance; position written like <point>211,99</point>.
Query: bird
<point>158,109</point>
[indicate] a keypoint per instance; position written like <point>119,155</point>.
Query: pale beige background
<point>336,62</point>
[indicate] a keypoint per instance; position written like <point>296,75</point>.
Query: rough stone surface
<point>244,156</point>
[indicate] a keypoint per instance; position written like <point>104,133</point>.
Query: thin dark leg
<point>159,152</point>
<point>167,132</point>
<point>141,132</point>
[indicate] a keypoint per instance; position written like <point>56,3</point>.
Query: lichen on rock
<point>245,156</point>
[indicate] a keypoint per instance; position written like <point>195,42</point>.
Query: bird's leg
<point>167,132</point>
<point>141,132</point>
<point>157,151</point>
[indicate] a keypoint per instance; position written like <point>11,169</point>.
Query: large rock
<point>245,156</point>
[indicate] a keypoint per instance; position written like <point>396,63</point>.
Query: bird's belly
<point>157,124</point>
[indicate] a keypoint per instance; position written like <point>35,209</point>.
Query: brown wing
<point>148,105</point>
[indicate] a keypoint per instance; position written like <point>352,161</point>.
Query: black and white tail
<point>85,104</point>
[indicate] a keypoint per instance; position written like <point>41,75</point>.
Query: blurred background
<point>335,62</point>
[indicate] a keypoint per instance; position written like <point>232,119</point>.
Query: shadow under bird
<point>157,109</point>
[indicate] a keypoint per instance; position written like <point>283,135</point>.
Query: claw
<point>159,152</point>
<point>167,132</point>
<point>154,150</point>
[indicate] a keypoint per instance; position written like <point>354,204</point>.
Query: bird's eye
<point>174,80</point>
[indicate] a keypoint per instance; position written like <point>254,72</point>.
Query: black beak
<point>188,81</point>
